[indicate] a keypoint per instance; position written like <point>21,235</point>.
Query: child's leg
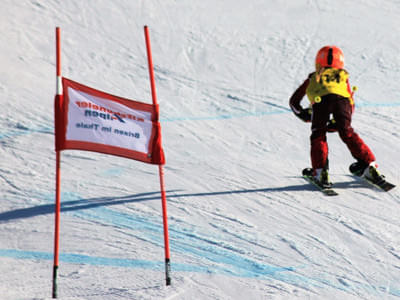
<point>342,113</point>
<point>319,145</point>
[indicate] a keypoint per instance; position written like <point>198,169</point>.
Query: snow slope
<point>243,223</point>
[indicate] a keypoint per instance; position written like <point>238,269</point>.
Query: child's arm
<point>294,103</point>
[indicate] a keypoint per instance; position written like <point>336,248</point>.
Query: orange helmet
<point>329,56</point>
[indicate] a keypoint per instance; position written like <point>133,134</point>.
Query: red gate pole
<point>58,100</point>
<point>160,167</point>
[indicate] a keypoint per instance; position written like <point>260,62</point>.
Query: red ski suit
<point>341,108</point>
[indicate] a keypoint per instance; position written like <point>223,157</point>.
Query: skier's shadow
<point>80,204</point>
<point>91,203</point>
<point>352,183</point>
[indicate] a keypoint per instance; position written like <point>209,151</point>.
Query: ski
<point>328,191</point>
<point>382,184</point>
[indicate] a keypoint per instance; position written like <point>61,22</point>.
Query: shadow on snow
<point>81,204</point>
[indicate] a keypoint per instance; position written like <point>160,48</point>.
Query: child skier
<point>329,92</point>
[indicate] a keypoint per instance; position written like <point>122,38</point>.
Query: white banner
<point>96,121</point>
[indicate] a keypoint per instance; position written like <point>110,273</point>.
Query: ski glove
<point>305,114</point>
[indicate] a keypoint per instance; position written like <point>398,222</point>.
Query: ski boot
<point>322,178</point>
<point>372,174</point>
<point>369,172</point>
<point>357,168</point>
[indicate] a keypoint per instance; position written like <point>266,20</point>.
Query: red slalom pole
<point>160,167</point>
<point>58,100</point>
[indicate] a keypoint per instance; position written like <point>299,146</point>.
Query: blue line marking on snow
<point>114,172</point>
<point>225,117</point>
<point>149,229</point>
<point>273,273</point>
<point>282,110</point>
<point>96,260</point>
<point>374,104</point>
<point>106,261</point>
<point>208,252</point>
<point>15,132</point>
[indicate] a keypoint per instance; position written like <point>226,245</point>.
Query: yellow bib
<point>329,81</point>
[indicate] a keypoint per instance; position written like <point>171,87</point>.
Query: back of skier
<point>329,93</point>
